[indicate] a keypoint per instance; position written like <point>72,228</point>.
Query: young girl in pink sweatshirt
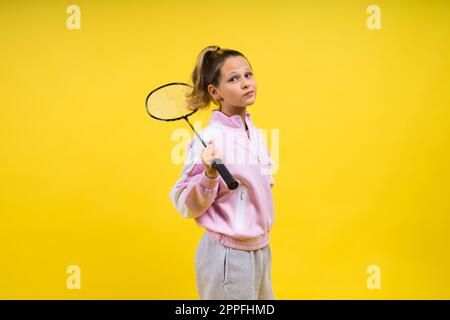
<point>233,258</point>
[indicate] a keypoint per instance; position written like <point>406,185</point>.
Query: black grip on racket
<point>225,174</point>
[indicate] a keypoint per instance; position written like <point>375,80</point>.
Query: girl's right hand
<point>208,155</point>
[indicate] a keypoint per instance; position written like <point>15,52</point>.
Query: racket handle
<point>225,174</point>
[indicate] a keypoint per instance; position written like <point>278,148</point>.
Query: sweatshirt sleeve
<point>267,162</point>
<point>270,169</point>
<point>194,192</point>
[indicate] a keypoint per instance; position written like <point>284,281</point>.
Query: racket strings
<point>169,102</point>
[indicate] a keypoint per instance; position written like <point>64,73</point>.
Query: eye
<point>247,74</point>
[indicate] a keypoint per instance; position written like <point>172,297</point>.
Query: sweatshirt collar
<point>234,121</point>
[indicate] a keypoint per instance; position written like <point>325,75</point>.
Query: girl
<point>233,257</point>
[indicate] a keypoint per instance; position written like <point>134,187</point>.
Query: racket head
<point>168,102</point>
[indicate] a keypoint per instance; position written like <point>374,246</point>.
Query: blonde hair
<point>207,71</point>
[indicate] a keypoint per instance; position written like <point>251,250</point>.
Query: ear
<point>214,92</point>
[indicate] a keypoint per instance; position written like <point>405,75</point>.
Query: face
<point>236,79</point>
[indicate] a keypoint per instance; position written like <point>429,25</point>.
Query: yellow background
<point>363,119</point>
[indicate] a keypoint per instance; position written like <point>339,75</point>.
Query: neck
<point>231,111</point>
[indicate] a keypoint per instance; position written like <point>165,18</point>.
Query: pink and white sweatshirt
<point>240,218</point>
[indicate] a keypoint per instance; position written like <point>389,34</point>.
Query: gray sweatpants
<point>230,274</point>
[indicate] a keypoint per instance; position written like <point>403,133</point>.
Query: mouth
<point>249,94</point>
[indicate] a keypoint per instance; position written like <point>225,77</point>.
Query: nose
<point>245,83</point>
